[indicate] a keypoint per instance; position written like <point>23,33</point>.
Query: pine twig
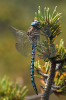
<point>39,72</point>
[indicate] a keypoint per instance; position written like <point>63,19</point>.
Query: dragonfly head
<point>34,32</point>
<point>35,24</point>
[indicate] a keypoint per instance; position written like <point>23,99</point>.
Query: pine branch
<point>50,28</point>
<point>49,82</point>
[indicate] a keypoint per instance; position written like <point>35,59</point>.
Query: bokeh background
<point>20,14</point>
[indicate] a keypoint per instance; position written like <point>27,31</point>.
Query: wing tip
<point>12,28</point>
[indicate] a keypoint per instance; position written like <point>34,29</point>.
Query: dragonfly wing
<point>19,34</point>
<point>22,45</point>
<point>23,48</point>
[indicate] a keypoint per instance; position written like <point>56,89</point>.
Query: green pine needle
<point>54,12</point>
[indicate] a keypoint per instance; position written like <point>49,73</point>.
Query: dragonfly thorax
<point>33,34</point>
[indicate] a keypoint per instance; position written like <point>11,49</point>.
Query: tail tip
<point>37,92</point>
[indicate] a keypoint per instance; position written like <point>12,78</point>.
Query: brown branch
<point>45,95</point>
<point>34,97</point>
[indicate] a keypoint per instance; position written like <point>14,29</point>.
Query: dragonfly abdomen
<point>32,69</point>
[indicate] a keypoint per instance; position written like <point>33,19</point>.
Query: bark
<point>45,95</point>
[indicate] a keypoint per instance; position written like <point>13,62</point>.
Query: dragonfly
<point>27,41</point>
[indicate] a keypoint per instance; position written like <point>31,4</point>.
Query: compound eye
<point>35,23</point>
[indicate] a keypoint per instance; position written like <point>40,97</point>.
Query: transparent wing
<point>19,34</point>
<point>46,50</point>
<point>23,46</point>
<point>47,31</point>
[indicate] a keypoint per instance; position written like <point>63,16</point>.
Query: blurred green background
<point>20,14</point>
